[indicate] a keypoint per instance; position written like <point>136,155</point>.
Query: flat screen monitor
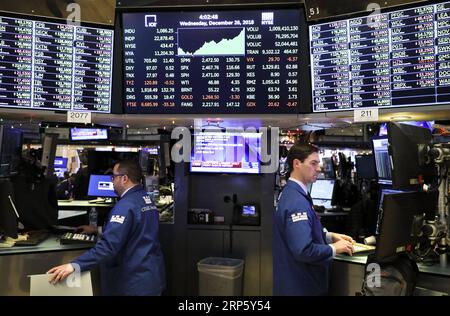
<point>382,160</point>
<point>226,152</point>
<point>322,192</point>
<point>60,163</point>
<point>101,186</point>
<point>382,194</point>
<point>365,167</point>
<point>10,150</point>
<point>329,170</point>
<point>218,61</point>
<point>88,134</point>
<point>54,66</point>
<point>394,59</point>
<point>407,170</point>
<point>402,220</point>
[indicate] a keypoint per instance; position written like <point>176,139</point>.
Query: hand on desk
<point>342,243</point>
<point>59,273</point>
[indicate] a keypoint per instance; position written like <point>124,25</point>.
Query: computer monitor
<point>382,161</point>
<point>383,193</point>
<point>365,167</point>
<point>86,134</point>
<point>60,163</point>
<point>101,186</point>
<point>226,152</point>
<point>404,141</point>
<point>403,215</point>
<point>328,168</point>
<point>322,192</point>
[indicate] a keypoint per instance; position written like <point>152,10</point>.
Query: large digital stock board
<point>55,66</point>
<point>395,59</point>
<point>233,61</point>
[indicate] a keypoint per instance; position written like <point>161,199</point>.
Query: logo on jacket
<point>302,216</point>
<point>118,219</point>
<point>147,199</point>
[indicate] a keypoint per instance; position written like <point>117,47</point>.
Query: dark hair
<point>300,151</point>
<point>132,169</point>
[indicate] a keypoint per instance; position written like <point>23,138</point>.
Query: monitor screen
<point>60,163</point>
<point>226,152</point>
<point>249,210</point>
<point>322,192</point>
<point>396,58</point>
<point>365,167</point>
<point>402,220</point>
<point>224,61</point>
<point>101,186</point>
<point>328,168</point>
<point>54,66</point>
<point>88,133</point>
<point>407,170</point>
<point>382,160</point>
<point>383,193</point>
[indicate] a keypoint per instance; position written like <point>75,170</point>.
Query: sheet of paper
<point>72,286</point>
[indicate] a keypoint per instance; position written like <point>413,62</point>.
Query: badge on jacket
<point>301,216</point>
<point>147,199</point>
<point>117,219</point>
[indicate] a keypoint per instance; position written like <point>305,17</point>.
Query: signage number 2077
<point>78,117</point>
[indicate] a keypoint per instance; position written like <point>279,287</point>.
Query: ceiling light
<point>401,117</point>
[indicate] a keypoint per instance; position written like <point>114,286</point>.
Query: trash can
<point>220,276</point>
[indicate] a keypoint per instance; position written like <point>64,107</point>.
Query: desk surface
<point>50,244</point>
<point>429,269</point>
<point>82,203</point>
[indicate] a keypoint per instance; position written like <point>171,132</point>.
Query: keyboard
<point>78,238</point>
<point>34,238</point>
<point>358,248</point>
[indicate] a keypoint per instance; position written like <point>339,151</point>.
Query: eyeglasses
<point>117,175</point>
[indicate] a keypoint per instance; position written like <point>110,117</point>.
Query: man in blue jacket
<point>302,249</point>
<point>129,253</point>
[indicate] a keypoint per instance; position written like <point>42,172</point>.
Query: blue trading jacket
<point>129,253</point>
<point>301,257</point>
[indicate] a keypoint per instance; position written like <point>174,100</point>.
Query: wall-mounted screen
<point>398,58</point>
<point>226,152</point>
<point>54,66</point>
<point>88,133</point>
<point>234,61</point>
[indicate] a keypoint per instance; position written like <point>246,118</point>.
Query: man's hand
<point>59,273</point>
<point>343,246</point>
<point>335,237</point>
<point>87,229</point>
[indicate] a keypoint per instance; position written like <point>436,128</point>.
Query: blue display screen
<point>101,186</point>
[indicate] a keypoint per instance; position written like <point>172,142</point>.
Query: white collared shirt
<point>301,184</point>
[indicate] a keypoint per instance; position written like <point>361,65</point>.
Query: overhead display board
<point>394,59</point>
<point>224,61</point>
<point>55,66</point>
